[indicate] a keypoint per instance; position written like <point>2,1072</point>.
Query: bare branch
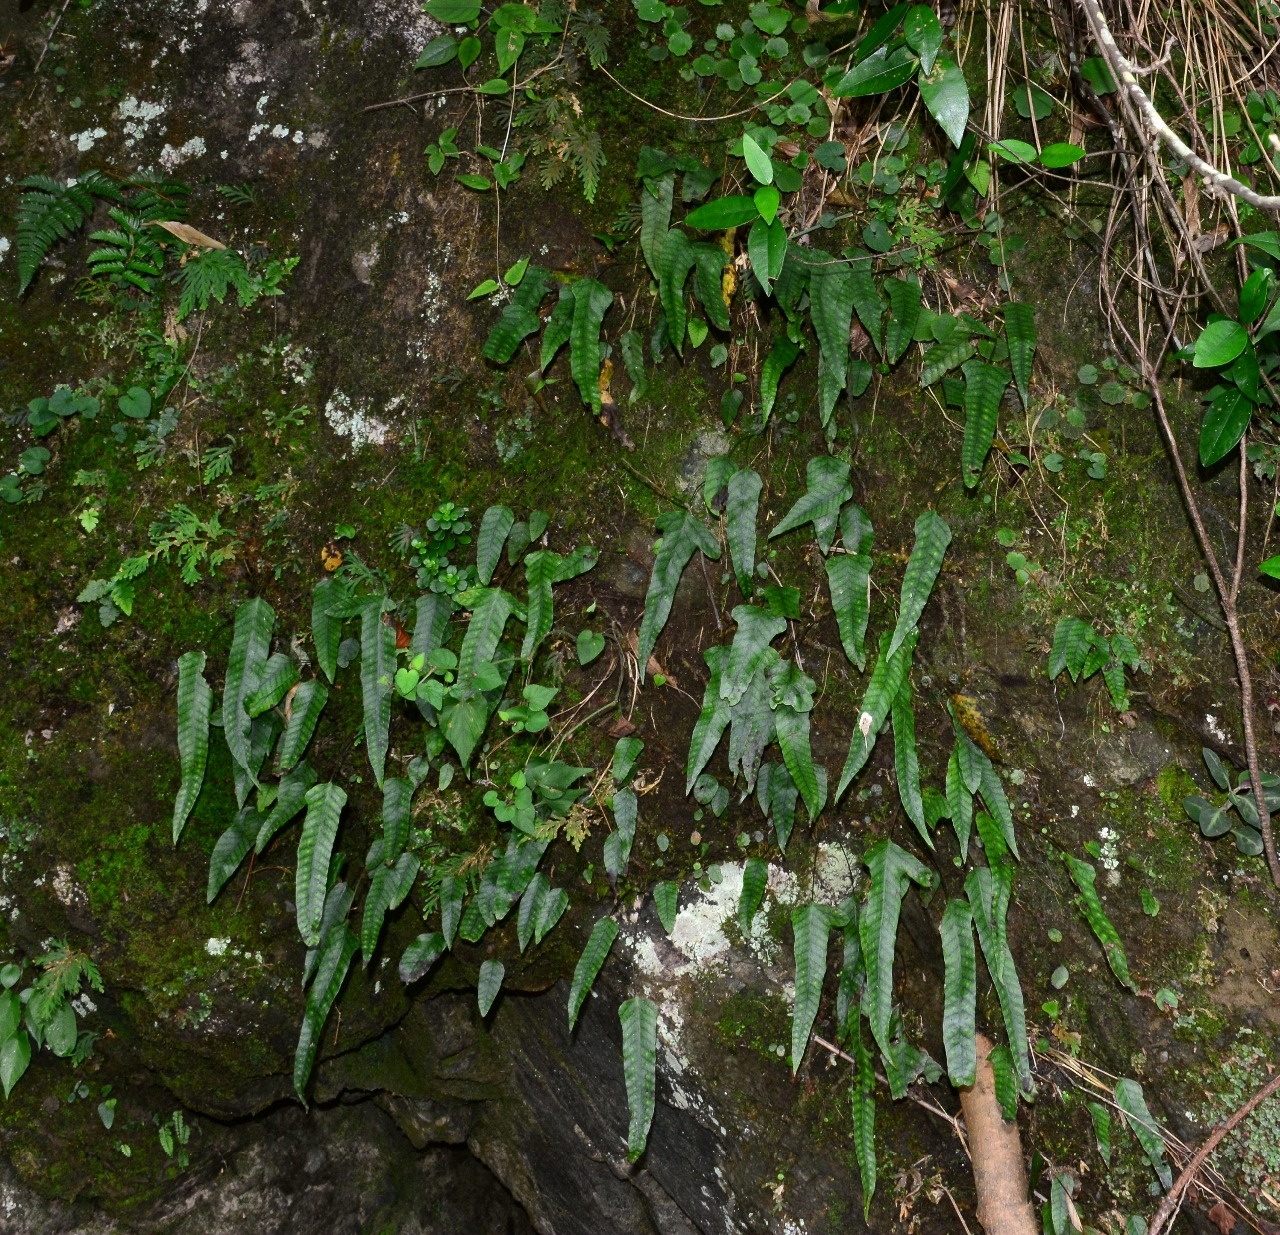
<point>1126,76</point>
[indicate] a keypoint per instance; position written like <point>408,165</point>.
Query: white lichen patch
<point>171,156</point>
<point>86,139</point>
<point>216,946</point>
<point>1109,855</point>
<point>138,117</point>
<point>354,420</point>
<point>4,247</point>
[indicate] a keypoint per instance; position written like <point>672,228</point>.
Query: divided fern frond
<point>210,275</point>
<point>49,211</point>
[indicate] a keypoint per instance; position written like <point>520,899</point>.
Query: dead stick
<point>1169,1206</point>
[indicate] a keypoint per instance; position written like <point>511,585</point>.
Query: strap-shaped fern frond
<point>49,211</point>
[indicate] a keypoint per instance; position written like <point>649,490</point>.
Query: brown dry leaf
<point>288,701</point>
<point>621,728</point>
<point>1222,1218</point>
<point>189,235</point>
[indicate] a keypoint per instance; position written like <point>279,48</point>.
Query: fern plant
<point>50,211</point>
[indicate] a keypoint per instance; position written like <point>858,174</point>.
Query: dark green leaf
<point>335,959</point>
<point>639,1019</point>
<point>194,703</point>
<point>315,848</point>
<point>984,386</point>
<point>810,925</point>
<point>589,965</point>
<point>932,536</point>
<point>946,95</point>
<point>960,992</point>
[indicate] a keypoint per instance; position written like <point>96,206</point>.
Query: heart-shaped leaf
<point>590,645</point>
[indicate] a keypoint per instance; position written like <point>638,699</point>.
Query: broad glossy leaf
<point>1225,422</point>
<point>828,489</point>
<point>1061,154</point>
<point>304,713</point>
<point>924,34</point>
<point>250,643</point>
<point>1219,343</point>
<point>1085,878</point>
<point>639,1019</point>
<point>335,959</point>
<point>15,1056</point>
<point>723,213</point>
<point>489,984</point>
<point>194,703</point>
<point>984,384</point>
<point>1133,1106</point>
<point>497,522</point>
<point>946,95</point>
<point>1020,334</point>
<point>879,73</point>
<point>589,965</point>
<point>810,925</point>
<point>758,162</point>
<point>682,534</point>
<point>892,870</point>
<point>932,538</point>
<point>315,848</point>
<point>767,249</point>
<point>960,993</point>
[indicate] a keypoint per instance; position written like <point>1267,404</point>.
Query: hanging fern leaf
<point>655,219</point>
<point>553,907</point>
<point>793,740</point>
<point>810,926</point>
<point>864,1118</point>
<point>1085,878</point>
<point>906,762</point>
<point>1133,1106</point>
<point>278,675</point>
<point>904,314</point>
<point>886,680</point>
<point>326,630</point>
<point>960,804</point>
<point>831,297</point>
<point>194,703</point>
<point>591,301</point>
<point>868,304</point>
<point>755,876</point>
<point>998,804</point>
<point>530,906</point>
<point>682,534</point>
<point>420,955</point>
<point>519,317</point>
<point>988,890</point>
<point>740,524</point>
<point>782,355</point>
<point>666,900</point>
<point>1072,638</point>
<point>589,965</point>
<point>494,528</point>
<point>377,668</point>
<point>960,993</point>
<point>756,630</point>
<point>708,282</point>
<point>490,610</point>
<point>675,262</point>
<point>712,720</point>
<point>941,358</point>
<point>489,984</point>
<point>250,642</point>
<point>828,488</point>
<point>49,211</point>
<point>308,702</point>
<point>335,960</point>
<point>388,887</point>
<point>230,849</point>
<point>639,1019</point>
<point>291,796</point>
<point>559,327</point>
<point>892,869</point>
<point>452,891</point>
<point>932,538</point>
<point>984,384</point>
<point>776,794</point>
<point>315,848</point>
<point>752,726</point>
<point>1020,334</point>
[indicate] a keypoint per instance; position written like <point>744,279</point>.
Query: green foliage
<point>639,1019</point>
<point>1133,1106</point>
<point>1216,820</point>
<point>827,490</point>
<point>960,992</point>
<point>194,704</point>
<point>49,211</point>
<point>666,898</point>
<point>1084,877</point>
<point>336,952</point>
<point>589,965</point>
<point>932,538</point>
<point>1082,651</point>
<point>810,925</point>
<point>681,536</point>
<point>489,984</point>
